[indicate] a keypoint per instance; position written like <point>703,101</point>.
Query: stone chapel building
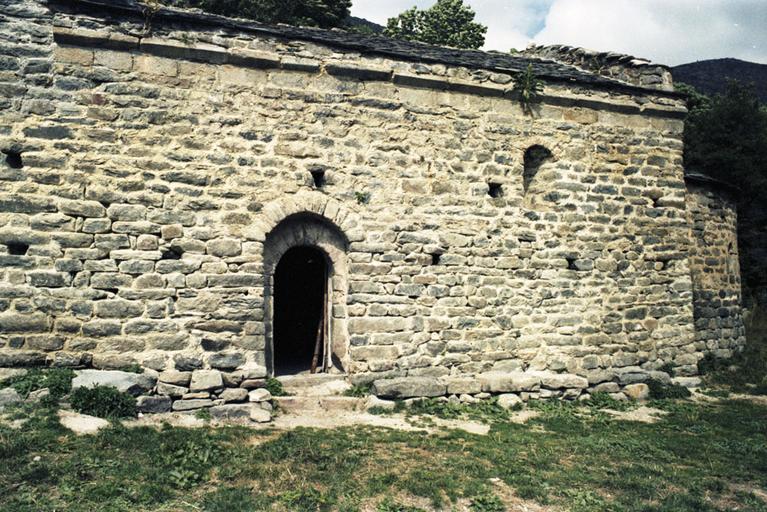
<point>191,193</point>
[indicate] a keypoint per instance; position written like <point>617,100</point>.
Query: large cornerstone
<point>186,193</point>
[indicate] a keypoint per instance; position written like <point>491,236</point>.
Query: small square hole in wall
<point>13,159</point>
<point>17,249</point>
<point>495,190</point>
<point>435,258</point>
<point>318,176</point>
<point>174,253</point>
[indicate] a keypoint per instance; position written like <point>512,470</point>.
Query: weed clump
<point>274,387</point>
<point>104,402</point>
<point>191,462</point>
<point>358,391</point>
<point>230,499</point>
<point>661,391</point>
<point>132,368</point>
<point>389,505</point>
<point>304,499</point>
<point>57,380</point>
<point>485,410</point>
<point>203,414</point>
<point>487,502</point>
<point>602,400</point>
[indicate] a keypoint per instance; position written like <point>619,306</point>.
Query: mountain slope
<point>710,76</point>
<point>364,25</point>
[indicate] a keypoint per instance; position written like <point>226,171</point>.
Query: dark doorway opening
<point>300,302</point>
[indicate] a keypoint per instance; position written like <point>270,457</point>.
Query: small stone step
<point>319,384</point>
<point>317,404</point>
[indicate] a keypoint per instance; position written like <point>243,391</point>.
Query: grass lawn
<point>699,457</point>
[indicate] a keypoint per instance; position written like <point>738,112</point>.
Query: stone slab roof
<point>371,44</point>
<point>625,68</point>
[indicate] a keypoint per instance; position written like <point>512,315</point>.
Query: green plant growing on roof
<point>149,9</point>
<point>528,88</point>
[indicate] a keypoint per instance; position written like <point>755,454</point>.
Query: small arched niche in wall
<point>535,157</point>
<point>534,187</point>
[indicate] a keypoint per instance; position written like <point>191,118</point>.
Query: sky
<point>666,31</point>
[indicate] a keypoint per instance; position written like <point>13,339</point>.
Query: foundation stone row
<point>226,395</point>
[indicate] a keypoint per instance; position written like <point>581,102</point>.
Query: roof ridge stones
<point>618,66</point>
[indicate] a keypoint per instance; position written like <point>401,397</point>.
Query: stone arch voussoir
<point>313,203</point>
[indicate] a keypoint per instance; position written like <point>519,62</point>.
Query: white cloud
<point>671,32</point>
<point>667,31</point>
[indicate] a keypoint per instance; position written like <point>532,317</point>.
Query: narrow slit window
<point>318,176</point>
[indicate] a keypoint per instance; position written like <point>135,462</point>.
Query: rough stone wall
<point>715,270</point>
<point>135,230</point>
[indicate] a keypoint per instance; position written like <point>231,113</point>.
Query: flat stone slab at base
<point>509,382</point>
<point>193,404</point>
<point>318,384</point>
<point>316,404</point>
<point>153,404</point>
<point>133,383</point>
<point>409,387</point>
<point>552,380</point>
<point>232,411</point>
<point>373,402</point>
<point>81,424</point>
<point>260,415</point>
<point>688,382</point>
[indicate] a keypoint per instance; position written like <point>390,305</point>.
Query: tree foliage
<point>314,13</point>
<point>726,138</point>
<point>447,23</point>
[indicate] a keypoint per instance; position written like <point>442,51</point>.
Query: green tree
<point>726,138</point>
<point>314,13</point>
<point>447,23</point>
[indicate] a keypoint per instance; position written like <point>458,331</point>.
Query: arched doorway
<point>300,310</point>
<point>305,236</point>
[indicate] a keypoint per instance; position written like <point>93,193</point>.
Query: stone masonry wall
<point>715,270</point>
<point>155,165</point>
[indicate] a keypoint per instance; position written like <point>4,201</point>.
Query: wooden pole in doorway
<point>327,360</point>
<point>320,331</point>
